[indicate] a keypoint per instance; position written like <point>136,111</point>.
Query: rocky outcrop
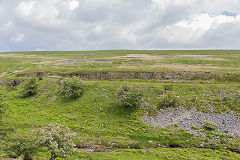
<point>162,75</point>
<point>37,74</point>
<point>13,83</point>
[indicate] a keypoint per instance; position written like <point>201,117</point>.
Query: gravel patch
<point>81,61</point>
<point>227,122</point>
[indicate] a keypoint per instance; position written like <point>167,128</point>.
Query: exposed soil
<point>203,57</point>
<point>49,62</point>
<point>206,67</point>
<point>7,55</point>
<point>139,56</point>
<point>14,72</point>
<point>98,148</point>
<point>82,61</point>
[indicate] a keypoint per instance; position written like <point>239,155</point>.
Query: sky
<point>43,25</point>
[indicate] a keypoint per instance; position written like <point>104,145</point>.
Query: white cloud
<point>41,14</point>
<point>98,29</point>
<point>27,8</point>
<point>189,31</point>
<point>205,22</point>
<point>162,4</point>
<point>72,5</point>
<point>17,39</point>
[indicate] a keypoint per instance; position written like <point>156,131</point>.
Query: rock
<point>174,76</point>
<point>14,83</point>
<point>227,122</point>
<point>38,74</point>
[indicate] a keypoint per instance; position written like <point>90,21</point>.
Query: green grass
<point>96,121</point>
<point>165,154</point>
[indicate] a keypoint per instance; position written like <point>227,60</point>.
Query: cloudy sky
<point>119,24</point>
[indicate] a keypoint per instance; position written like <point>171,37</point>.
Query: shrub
<point>128,97</point>
<point>210,125</point>
<point>22,145</point>
<point>169,99</point>
<point>29,88</point>
<point>168,87</point>
<point>72,88</point>
<point>57,139</point>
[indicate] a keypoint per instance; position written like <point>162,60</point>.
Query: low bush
<point>19,145</point>
<point>168,99</point>
<point>72,88</point>
<point>58,140</point>
<point>129,97</point>
<point>54,138</point>
<point>168,87</point>
<point>210,125</point>
<point>29,88</point>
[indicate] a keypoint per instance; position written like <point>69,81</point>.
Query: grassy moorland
<point>116,132</point>
<point>123,61</point>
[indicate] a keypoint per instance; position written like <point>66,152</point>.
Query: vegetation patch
<point>168,99</point>
<point>210,125</point>
<point>29,88</point>
<point>57,139</point>
<point>72,88</point>
<point>129,97</point>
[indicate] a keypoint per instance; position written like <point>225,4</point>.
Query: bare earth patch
<point>199,67</point>
<point>82,61</point>
<point>14,72</point>
<point>6,55</point>
<point>49,62</point>
<point>132,67</point>
<point>139,56</point>
<point>3,74</point>
<point>202,57</point>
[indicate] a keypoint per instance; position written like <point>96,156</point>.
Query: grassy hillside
<point>100,125</point>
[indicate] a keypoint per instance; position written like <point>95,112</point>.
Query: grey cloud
<point>224,37</point>
<point>115,24</point>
